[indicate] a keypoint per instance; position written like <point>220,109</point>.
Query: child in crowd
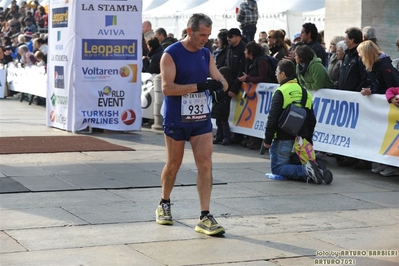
<point>40,58</point>
<point>392,95</point>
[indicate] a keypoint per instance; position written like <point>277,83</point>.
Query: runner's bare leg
<point>174,157</point>
<point>202,148</point>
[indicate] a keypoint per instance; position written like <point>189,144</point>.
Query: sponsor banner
<point>99,49</point>
<point>94,65</point>
<point>343,121</point>
<point>107,85</point>
<point>3,87</point>
<point>59,17</point>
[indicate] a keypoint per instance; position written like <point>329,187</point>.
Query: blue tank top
<point>191,68</point>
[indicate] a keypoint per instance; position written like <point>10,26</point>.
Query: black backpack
<point>293,117</point>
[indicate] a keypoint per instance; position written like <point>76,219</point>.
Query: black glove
<point>210,84</point>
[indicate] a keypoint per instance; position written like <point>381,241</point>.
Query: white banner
<point>95,64</point>
<point>347,122</point>
<point>3,86</point>
<point>21,79</point>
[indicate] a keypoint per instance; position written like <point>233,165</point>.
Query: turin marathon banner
<point>94,65</point>
<point>364,127</point>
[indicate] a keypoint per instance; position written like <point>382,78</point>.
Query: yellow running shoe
<point>163,214</point>
<point>208,225</point>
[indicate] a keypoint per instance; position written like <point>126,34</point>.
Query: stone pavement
<point>97,208</point>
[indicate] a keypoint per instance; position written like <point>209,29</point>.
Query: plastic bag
<point>304,150</point>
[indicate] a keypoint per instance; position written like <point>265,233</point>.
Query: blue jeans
<point>248,32</point>
<point>280,158</point>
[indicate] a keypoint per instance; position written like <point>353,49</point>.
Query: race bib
<point>194,107</point>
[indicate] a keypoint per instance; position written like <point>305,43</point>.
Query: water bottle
<point>274,176</point>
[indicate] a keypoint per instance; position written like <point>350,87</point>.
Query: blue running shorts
<point>185,133</point>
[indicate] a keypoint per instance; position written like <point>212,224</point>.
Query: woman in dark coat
<point>277,47</point>
<point>152,60</point>
<point>382,76</point>
<point>379,68</point>
<point>221,52</point>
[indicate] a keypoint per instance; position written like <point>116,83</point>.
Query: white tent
<point>221,12</point>
<point>151,4</point>
<point>287,14</point>
<point>164,15</point>
<point>316,17</point>
<point>284,14</point>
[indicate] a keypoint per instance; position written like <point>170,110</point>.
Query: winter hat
<point>233,32</point>
<point>28,34</point>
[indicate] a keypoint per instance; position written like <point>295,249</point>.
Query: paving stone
<point>101,235</point>
<point>239,175</point>
<point>292,187</point>
<point>233,249</point>
<point>57,199</point>
<point>123,212</point>
<point>99,256</point>
<point>9,185</point>
<point>296,203</point>
<point>27,169</point>
<point>362,238</point>
<point>372,217</point>
<point>45,183</point>
<point>94,181</point>
<point>114,167</point>
<point>61,169</point>
<point>9,245</point>
<point>387,199</point>
<point>37,217</point>
<point>142,179</point>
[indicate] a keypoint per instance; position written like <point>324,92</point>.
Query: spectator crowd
<point>350,62</point>
<point>24,34</point>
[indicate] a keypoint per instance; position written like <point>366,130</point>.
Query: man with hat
<point>297,38</point>
<point>235,59</point>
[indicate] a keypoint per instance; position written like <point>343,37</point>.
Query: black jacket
<point>278,52</point>
<point>221,55</point>
<point>235,60</point>
<point>319,51</point>
<point>352,73</point>
<point>383,75</point>
<point>152,65</point>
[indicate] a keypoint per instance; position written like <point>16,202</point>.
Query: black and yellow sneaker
<point>163,214</point>
<point>208,225</point>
